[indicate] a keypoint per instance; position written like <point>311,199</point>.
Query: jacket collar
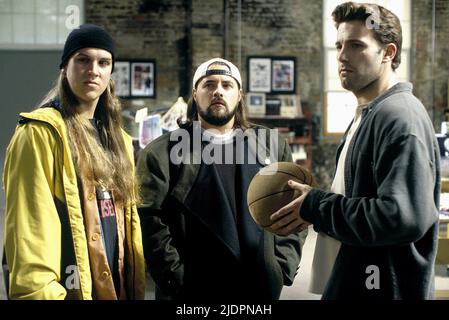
<point>399,87</point>
<point>50,114</point>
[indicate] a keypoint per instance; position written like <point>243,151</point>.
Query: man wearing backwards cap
<point>200,242</point>
<point>71,229</point>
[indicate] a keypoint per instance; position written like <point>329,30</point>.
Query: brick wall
<point>180,34</point>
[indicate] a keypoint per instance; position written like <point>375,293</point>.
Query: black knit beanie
<point>87,36</point>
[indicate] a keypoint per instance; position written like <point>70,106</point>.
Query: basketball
<point>269,190</point>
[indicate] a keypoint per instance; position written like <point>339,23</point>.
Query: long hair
<point>103,161</point>
<point>241,119</point>
<point>388,28</point>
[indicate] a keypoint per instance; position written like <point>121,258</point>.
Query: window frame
<point>59,40</point>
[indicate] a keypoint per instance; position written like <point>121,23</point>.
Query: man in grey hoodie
<point>382,210</point>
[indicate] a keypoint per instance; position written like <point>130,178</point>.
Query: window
<point>38,24</point>
<point>339,104</point>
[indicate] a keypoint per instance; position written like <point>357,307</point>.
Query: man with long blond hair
<point>72,229</point>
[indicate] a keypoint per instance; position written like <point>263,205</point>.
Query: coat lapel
<point>200,189</point>
<point>208,202</point>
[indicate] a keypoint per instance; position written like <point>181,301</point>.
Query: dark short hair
<point>386,30</point>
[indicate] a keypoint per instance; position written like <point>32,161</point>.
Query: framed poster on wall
<point>121,77</point>
<point>143,79</point>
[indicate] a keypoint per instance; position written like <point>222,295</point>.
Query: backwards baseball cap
<point>87,36</point>
<point>204,71</point>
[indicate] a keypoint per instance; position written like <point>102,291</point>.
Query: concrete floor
<point>299,289</point>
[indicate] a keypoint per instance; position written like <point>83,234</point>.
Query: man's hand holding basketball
<point>287,219</point>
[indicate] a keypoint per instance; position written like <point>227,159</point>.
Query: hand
<point>287,219</point>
